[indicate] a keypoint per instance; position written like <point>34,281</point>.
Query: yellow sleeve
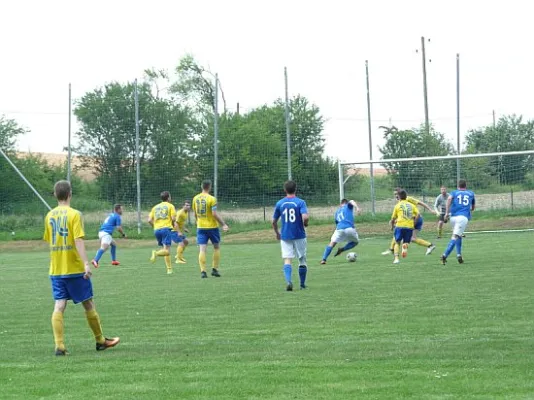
<point>394,215</point>
<point>151,215</point>
<point>412,200</point>
<point>193,205</point>
<point>172,212</point>
<point>415,211</point>
<point>77,226</point>
<point>46,234</point>
<point>213,202</point>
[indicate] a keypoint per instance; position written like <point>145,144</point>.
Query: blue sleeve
<point>473,199</point>
<point>276,214</point>
<point>350,206</point>
<point>303,208</point>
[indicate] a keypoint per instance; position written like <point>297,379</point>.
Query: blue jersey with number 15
<point>290,210</point>
<point>462,202</point>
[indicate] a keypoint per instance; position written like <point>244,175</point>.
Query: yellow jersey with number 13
<point>163,214</point>
<point>203,207</point>
<point>405,213</point>
<point>63,225</point>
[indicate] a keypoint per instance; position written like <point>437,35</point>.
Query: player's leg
<point>105,241</point>
<point>301,247</point>
<point>455,236</point>
<point>113,251</point>
<point>440,225</point>
<point>461,226</point>
<point>93,319</point>
<point>418,227</point>
<point>351,236</point>
<point>215,239</point>
<point>407,235</point>
<point>397,237</point>
<point>202,241</point>
<point>334,240</point>
<point>391,249</point>
<point>58,328</point>
<point>288,254</point>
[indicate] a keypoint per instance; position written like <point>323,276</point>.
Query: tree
<point>417,175</point>
<point>10,130</point>
<point>510,134</point>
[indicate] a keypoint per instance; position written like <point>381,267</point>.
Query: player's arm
<point>151,218</point>
<point>426,206</point>
<point>276,217</point>
<point>79,234</point>
<point>436,205</point>
<point>415,214</point>
<point>218,218</point>
<point>448,208</point>
<point>393,219</point>
<point>304,213</point>
<point>353,204</point>
<point>119,227</point>
<point>473,203</point>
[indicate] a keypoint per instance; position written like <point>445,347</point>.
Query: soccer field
<point>361,330</point>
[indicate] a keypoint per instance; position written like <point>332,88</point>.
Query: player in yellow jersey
<point>208,221</point>
<point>162,217</point>
<point>403,219</point>
<point>418,225</point>
<point>181,241</point>
<point>70,271</point>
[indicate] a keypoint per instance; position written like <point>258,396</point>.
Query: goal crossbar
<point>449,157</point>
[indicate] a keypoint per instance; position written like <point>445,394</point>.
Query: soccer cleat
<point>153,256</point>
<point>180,261</point>
<point>60,352</point>
<point>404,252</point>
<point>215,273</point>
<point>203,274</point>
<point>460,259</point>
<point>95,263</point>
<point>323,262</point>
<point>169,271</point>
<point>430,249</point>
<point>116,263</point>
<point>396,260</point>
<point>387,252</point>
<point>302,287</point>
<point>443,260</point>
<point>338,252</point>
<point>108,343</point>
<point>289,287</point>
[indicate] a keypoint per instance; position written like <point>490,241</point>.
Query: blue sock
<point>459,246</point>
<point>327,252</point>
<point>113,252</point>
<point>349,245</point>
<point>99,254</point>
<point>302,275</point>
<point>287,272</point>
<point>449,248</point>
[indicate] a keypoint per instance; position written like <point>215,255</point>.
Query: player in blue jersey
<point>112,222</point>
<point>294,215</point>
<point>345,230</point>
<point>460,204</point>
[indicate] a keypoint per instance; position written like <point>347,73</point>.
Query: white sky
<point>324,44</point>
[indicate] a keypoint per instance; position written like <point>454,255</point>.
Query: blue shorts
<point>177,238</point>
<point>403,235</point>
<point>163,236</point>
<point>76,288</point>
<point>418,223</point>
<point>213,235</point>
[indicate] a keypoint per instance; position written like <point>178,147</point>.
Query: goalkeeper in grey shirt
<point>440,206</point>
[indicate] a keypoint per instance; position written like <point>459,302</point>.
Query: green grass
<point>368,330</point>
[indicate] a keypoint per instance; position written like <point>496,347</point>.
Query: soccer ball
<point>351,257</point>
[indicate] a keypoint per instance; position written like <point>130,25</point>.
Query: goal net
<point>503,183</point>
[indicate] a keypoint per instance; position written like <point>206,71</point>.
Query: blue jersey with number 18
<point>462,202</point>
<point>290,210</point>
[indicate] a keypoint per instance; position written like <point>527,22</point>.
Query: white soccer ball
<point>351,257</point>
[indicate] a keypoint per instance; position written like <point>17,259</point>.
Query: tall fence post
<point>69,155</point>
<point>216,137</point>
<point>137,157</point>
<point>371,166</point>
<point>288,126</point>
<point>341,180</point>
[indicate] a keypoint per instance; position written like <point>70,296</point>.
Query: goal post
<point>502,180</point>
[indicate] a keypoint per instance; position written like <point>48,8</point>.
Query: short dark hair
<point>462,184</point>
<point>187,202</point>
<point>62,190</point>
<point>117,207</point>
<point>165,196</point>
<point>344,201</point>
<point>290,187</point>
<point>402,194</point>
<point>206,184</point>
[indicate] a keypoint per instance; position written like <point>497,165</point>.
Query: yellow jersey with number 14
<point>405,213</point>
<point>63,225</point>
<point>163,215</point>
<point>203,206</point>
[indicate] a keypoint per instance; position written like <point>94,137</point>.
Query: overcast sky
<point>324,44</point>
